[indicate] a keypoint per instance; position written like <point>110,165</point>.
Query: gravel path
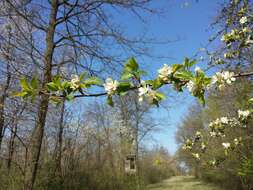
<point>183,183</point>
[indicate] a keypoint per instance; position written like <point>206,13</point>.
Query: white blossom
<point>234,122</point>
<point>243,114</point>
<point>164,72</point>
<point>196,155</point>
<point>224,120</point>
<point>243,20</point>
<point>215,122</point>
<point>217,77</point>
<point>142,91</point>
<point>246,30</point>
<point>111,85</point>
<point>226,145</point>
<point>228,55</point>
<point>197,69</point>
<point>219,61</point>
<point>220,124</point>
<point>213,134</point>
<point>222,78</point>
<point>191,86</point>
<point>221,134</point>
<point>198,134</point>
<point>248,41</point>
<point>236,141</point>
<point>223,38</point>
<point>146,91</point>
<point>203,146</point>
<point>75,82</point>
<point>213,162</point>
<point>188,145</point>
<point>233,32</point>
<point>228,77</point>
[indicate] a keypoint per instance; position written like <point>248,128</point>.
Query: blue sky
<point>187,24</point>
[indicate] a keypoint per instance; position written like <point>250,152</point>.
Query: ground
<point>183,183</point>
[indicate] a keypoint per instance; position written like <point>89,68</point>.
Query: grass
<point>183,183</point>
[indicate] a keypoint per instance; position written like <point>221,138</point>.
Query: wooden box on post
<point>130,164</point>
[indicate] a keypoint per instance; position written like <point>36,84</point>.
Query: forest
<point>88,90</point>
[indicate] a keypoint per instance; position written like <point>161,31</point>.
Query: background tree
<point>220,104</point>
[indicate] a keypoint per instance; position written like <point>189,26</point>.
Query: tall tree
<point>86,29</point>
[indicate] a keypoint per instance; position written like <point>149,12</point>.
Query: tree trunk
<point>37,136</point>
<point>58,155</point>
<point>11,145</point>
<point>2,102</point>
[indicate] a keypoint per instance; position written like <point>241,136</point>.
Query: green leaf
<point>188,63</point>
<point>250,100</point>
<point>123,93</point>
<point>186,75</point>
<point>33,98</point>
<point>160,96</point>
<point>201,99</point>
<point>126,75</point>
<point>193,62</point>
<point>207,81</point>
<point>83,75</point>
<point>24,84</point>
<point>65,85</point>
<point>241,174</point>
<point>34,83</point>
<point>93,81</point>
<point>157,83</point>
<point>110,101</point>
<point>132,65</point>
<point>68,90</point>
<point>70,97</point>
<point>176,67</point>
<point>20,94</point>
<point>57,81</point>
<point>52,86</point>
<point>123,88</point>
<point>150,82</point>
<point>56,99</point>
<point>141,73</point>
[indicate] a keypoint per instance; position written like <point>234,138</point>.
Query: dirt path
<point>183,183</point>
